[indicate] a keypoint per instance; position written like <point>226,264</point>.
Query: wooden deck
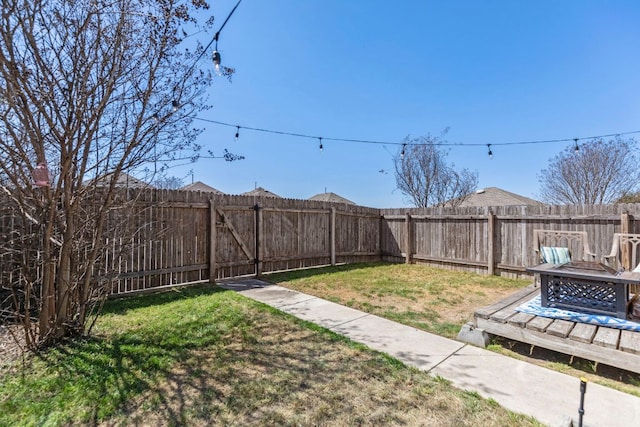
<point>608,346</point>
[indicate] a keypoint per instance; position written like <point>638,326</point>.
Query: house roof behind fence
<point>124,181</point>
<point>331,197</point>
<point>201,186</point>
<point>260,192</point>
<point>493,196</point>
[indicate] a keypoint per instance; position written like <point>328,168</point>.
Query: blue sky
<point>492,72</point>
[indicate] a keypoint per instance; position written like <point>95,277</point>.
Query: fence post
<point>259,239</point>
<point>333,236</point>
<point>380,234</point>
<point>408,245</point>
<point>491,219</point>
<point>212,241</point>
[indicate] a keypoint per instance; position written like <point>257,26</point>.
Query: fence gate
<point>235,241</point>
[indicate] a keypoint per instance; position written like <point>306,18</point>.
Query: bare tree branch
<point>422,174</point>
<point>600,172</point>
<point>86,88</point>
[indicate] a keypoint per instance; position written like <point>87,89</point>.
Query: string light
<point>237,133</point>
<point>216,54</point>
<point>320,139</point>
<point>402,153</point>
<point>215,57</point>
<point>490,152</point>
<point>576,149</point>
<point>456,144</point>
<point>216,60</point>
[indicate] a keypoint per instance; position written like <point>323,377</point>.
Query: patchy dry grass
<point>201,356</point>
<point>439,301</point>
<point>432,299</point>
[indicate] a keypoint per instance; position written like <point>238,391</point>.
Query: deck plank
<point>630,342</point>
<point>560,328</point>
<point>521,319</point>
<point>486,312</point>
<point>607,337</point>
<point>539,324</point>
<point>583,332</point>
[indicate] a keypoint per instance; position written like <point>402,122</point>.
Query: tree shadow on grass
<point>121,305</point>
<point>241,375</point>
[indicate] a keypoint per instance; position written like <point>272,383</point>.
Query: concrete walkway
<point>551,397</point>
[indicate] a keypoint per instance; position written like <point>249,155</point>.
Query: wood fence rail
<point>186,237</point>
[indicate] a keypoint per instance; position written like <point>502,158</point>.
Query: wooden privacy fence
<point>496,240</point>
<point>188,237</point>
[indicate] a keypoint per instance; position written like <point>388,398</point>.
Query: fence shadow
<point>311,272</point>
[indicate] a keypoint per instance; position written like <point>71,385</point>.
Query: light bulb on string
<point>402,152</point>
<point>490,152</point>
<point>320,139</point>
<point>216,61</point>
<point>175,105</point>
<point>576,148</point>
<point>237,133</point>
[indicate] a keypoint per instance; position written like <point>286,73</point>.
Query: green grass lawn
<point>202,356</point>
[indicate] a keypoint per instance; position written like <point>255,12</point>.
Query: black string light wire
<point>405,144</point>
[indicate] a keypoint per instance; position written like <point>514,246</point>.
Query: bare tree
<point>89,91</point>
<point>598,172</point>
<point>168,182</point>
<point>422,173</point>
<point>630,198</point>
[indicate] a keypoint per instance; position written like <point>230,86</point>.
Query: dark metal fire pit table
<point>585,286</point>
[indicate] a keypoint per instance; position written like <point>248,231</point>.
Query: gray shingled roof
<point>493,196</point>
<point>124,180</point>
<point>201,186</point>
<point>331,197</point>
<point>260,192</point>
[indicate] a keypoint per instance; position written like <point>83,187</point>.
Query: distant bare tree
<point>89,91</point>
<point>423,174</point>
<point>629,198</point>
<point>167,182</point>
<point>599,172</point>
